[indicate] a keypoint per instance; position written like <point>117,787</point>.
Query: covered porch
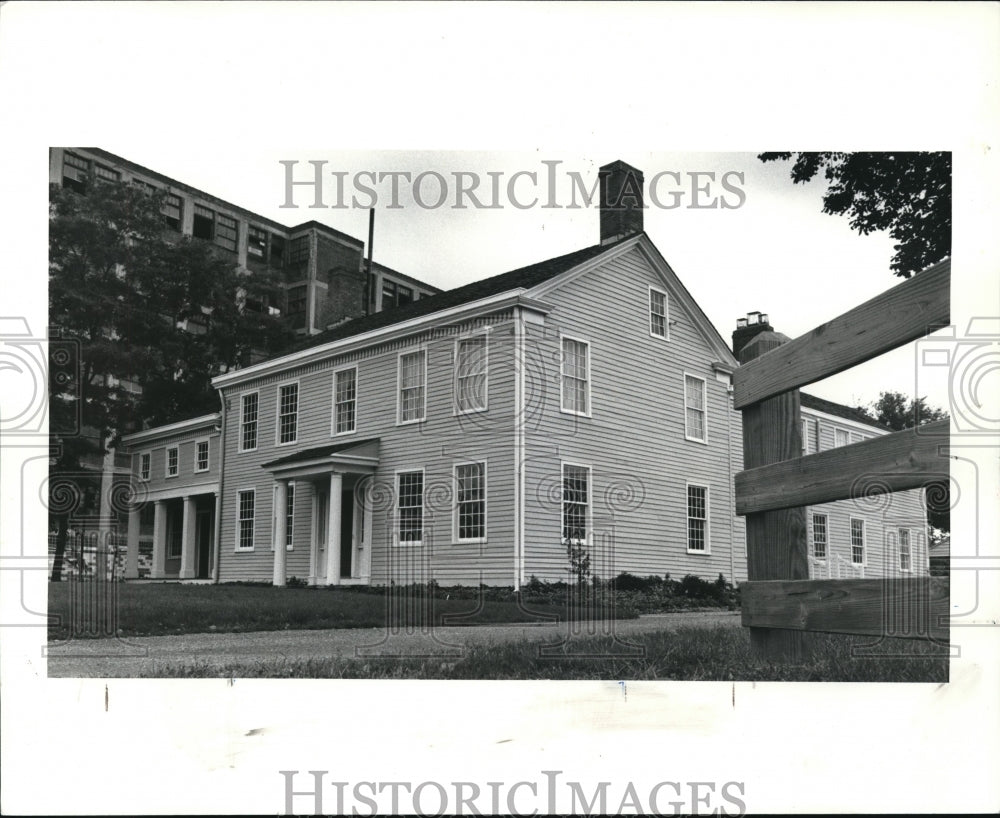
<point>177,528</point>
<point>338,519</point>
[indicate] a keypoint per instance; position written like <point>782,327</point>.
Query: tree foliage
<point>906,193</point>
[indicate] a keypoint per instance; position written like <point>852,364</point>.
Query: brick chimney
<point>755,328</point>
<point>621,201</point>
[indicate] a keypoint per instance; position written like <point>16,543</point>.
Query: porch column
<point>132,544</point>
<point>157,569</point>
<point>333,530</point>
<point>187,539</point>
<point>280,511</point>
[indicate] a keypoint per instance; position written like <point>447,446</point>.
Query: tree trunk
<point>57,562</point>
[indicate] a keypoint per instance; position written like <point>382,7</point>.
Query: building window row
<point>172,462</point>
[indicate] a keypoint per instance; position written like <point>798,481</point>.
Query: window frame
<point>166,461</point>
<point>146,475</point>
<point>826,536</point>
<point>837,433</point>
<point>688,485</point>
<point>277,412</point>
<point>422,351</point>
<point>909,549</point>
<point>256,436</point>
<point>252,243</point>
<point>589,511</point>
<point>864,540</point>
<point>563,338</point>
<point>333,401</point>
<point>196,215</point>
<point>472,336</point>
<point>208,455</point>
<point>666,312</point>
<point>397,539</point>
<point>456,531</point>
<point>239,521</point>
<point>704,407</point>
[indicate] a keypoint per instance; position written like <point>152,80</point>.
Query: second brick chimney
<point>755,328</point>
<point>621,201</point>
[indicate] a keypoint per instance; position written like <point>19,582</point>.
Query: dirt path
<point>146,655</point>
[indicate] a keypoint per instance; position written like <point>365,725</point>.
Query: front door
<point>346,533</point>
<point>203,543</point>
<point>322,507</point>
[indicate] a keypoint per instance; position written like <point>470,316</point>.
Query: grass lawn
<point>687,654</point>
<point>156,609</point>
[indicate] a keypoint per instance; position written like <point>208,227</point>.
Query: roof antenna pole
<point>370,282</point>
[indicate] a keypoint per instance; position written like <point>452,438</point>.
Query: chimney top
<point>749,328</point>
<point>621,201</point>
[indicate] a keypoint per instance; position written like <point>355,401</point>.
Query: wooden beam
<point>910,608</point>
<point>896,462</point>
<point>900,315</point>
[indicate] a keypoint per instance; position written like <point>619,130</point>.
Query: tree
<point>898,412</point>
<point>128,294</point>
<point>907,193</point>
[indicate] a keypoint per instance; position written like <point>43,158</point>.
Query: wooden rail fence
<point>781,605</point>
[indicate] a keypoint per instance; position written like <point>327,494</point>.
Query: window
<point>289,515</point>
<point>575,503</point>
<point>75,161</point>
<point>144,465</point>
<point>412,379</point>
<point>470,502</point>
<point>172,457</point>
<point>245,520</point>
<point>175,544</point>
<point>857,541</point>
<point>345,400</point>
<point>857,437</point>
<point>299,250</point>
<point>410,491</point>
<point>404,295</point>
<point>694,408</point>
<point>841,437</point>
<point>288,413</point>
<point>249,405</point>
<point>277,255</point>
<point>575,376</point>
<point>697,514</point>
<point>204,223</point>
<point>106,174</point>
<point>76,172</point>
<point>297,300</point>
<point>201,456</point>
<point>470,374</point>
<point>657,313</point>
<point>225,232</point>
<point>388,294</point>
<point>819,536</point>
<point>256,241</point>
<point>904,550</point>
<point>171,211</point>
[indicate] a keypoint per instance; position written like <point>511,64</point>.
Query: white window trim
<point>704,403</point>
<point>399,386</point>
<point>708,518</point>
<point>277,412</point>
<point>455,539</point>
<point>239,440</point>
<point>837,431</point>
<point>207,442</point>
<point>238,549</point>
<point>149,474</point>
<point>588,539</point>
<point>333,401</point>
<point>485,332</point>
<point>562,362</point>
<point>864,540</point>
<point>666,312</point>
<point>899,547</point>
<point>812,536</point>
<point>396,541</point>
<point>166,462</point>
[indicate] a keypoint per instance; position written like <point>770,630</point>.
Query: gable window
<point>697,517</point>
<point>288,413</point>
<point>905,561</point>
<point>203,226</point>
<point>470,374</point>
<point>410,491</point>
<point>171,211</point>
<point>289,514</point>
<point>819,536</point>
<point>201,456</point>
<point>256,241</point>
<point>225,232</point>
<point>412,381</point>
<point>470,502</point>
<point>172,461</point>
<point>575,503</point>
<point>345,399</point>
<point>245,520</point>
<point>575,376</point>
<point>657,313</point>
<point>249,404</point>
<point>694,408</point>
<point>857,541</point>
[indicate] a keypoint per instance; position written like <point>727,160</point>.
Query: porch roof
<point>351,452</point>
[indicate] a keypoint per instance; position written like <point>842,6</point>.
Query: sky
<point>772,249</point>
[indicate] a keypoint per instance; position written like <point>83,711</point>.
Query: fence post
<point>777,546</point>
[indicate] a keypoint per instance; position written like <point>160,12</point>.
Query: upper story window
<point>410,491</point>
<point>905,561</point>
<point>658,313</point>
<point>819,531</point>
<point>171,210</point>
<point>201,456</point>
<point>412,386</point>
<point>841,437</point>
<point>203,226</point>
<point>470,502</point>
<point>345,401</point>
<point>697,517</point>
<point>106,174</point>
<point>299,250</point>
<point>76,172</point>
<point>470,374</point>
<point>575,503</point>
<point>695,426</point>
<point>297,297</point>
<point>276,257</point>
<point>857,541</point>
<point>249,406</point>
<point>172,461</point>
<point>145,460</point>
<point>246,502</point>
<point>225,232</point>
<point>575,394</point>
<point>288,413</point>
<point>256,242</point>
